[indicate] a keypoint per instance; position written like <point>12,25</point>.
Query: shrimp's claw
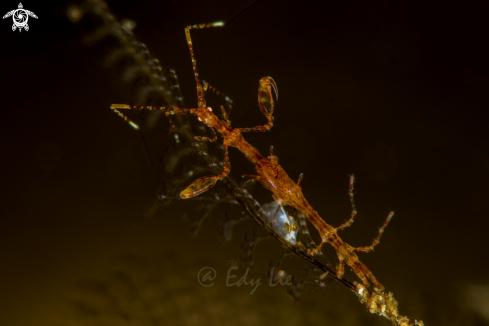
<point>265,98</point>
<point>199,186</point>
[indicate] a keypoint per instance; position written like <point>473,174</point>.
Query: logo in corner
<point>20,17</point>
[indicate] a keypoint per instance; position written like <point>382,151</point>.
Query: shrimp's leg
<point>169,111</point>
<point>345,254</point>
<point>267,105</point>
<point>203,138</point>
<point>377,239</point>
<point>200,90</point>
<point>318,250</point>
<point>205,183</point>
<point>173,128</point>
<point>362,271</point>
<point>353,208</point>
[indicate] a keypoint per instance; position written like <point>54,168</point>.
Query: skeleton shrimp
<point>269,172</point>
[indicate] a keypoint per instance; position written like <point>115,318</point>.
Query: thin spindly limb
<point>266,103</point>
<point>168,113</point>
<point>179,102</point>
<point>200,89</point>
<point>203,138</point>
<point>136,127</point>
<point>318,250</point>
<point>117,107</point>
<point>225,116</point>
<point>363,272</point>
<point>353,208</point>
<point>377,239</point>
<point>174,129</point>
<point>114,108</point>
<point>205,183</point>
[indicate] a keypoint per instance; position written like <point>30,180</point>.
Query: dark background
<point>394,91</point>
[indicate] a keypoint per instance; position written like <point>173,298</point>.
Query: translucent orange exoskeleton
<point>268,171</point>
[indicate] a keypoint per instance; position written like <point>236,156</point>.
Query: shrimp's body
<point>269,173</point>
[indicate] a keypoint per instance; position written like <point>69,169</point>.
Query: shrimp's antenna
<point>200,88</point>
<point>136,127</point>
